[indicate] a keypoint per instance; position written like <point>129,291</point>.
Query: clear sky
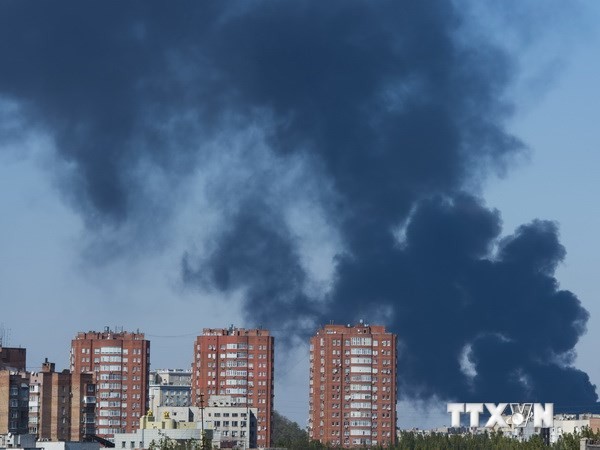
<point>561,179</point>
<point>60,275</point>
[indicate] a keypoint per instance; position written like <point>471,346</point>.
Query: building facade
<point>238,363</point>
<point>353,386</point>
<point>170,387</point>
<point>12,357</point>
<point>61,404</point>
<point>120,363</point>
<point>230,425</point>
<point>161,432</point>
<point>573,423</point>
<point>14,401</point>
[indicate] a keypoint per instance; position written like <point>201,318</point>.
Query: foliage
<point>288,434</point>
<point>172,444</point>
<point>572,441</point>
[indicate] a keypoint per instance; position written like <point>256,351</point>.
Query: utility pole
<point>205,444</point>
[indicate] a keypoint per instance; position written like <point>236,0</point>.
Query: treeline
<point>288,434</point>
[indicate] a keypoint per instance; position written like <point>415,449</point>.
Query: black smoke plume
<point>396,115</point>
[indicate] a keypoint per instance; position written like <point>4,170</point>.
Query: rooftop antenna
<point>4,335</point>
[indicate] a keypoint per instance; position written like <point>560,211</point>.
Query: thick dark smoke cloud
<point>477,315</point>
<point>396,115</point>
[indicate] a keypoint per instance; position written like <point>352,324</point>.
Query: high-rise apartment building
<point>61,404</point>
<point>120,362</point>
<point>238,363</point>
<point>353,386</point>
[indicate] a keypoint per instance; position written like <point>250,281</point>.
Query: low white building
<point>30,442</point>
<point>169,387</point>
<point>153,430</point>
<point>61,445</point>
<point>232,425</point>
<point>226,424</point>
<point>10,440</point>
<point>573,423</point>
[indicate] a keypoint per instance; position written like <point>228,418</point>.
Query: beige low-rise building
<point>154,431</point>
<point>573,423</point>
<point>224,424</point>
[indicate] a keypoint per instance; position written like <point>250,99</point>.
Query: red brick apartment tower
<point>238,363</point>
<point>353,386</point>
<point>120,362</point>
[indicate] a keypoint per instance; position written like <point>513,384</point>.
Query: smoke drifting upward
<point>395,117</point>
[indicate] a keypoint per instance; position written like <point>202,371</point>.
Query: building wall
<point>171,377</point>
<point>142,439</point>
<point>23,441</point>
<point>353,386</point>
<point>238,363</point>
<point>231,426</point>
<point>120,362</point>
<point>14,401</point>
<point>83,406</point>
<point>170,387</point>
<point>14,358</point>
<point>68,445</point>
<point>4,401</point>
<point>61,404</point>
<point>570,424</point>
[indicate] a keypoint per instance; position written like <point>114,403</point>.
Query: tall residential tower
<point>353,386</point>
<point>120,362</point>
<point>238,363</point>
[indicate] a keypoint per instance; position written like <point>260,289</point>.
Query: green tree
<point>288,434</point>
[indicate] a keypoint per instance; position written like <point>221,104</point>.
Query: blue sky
<point>560,179</point>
